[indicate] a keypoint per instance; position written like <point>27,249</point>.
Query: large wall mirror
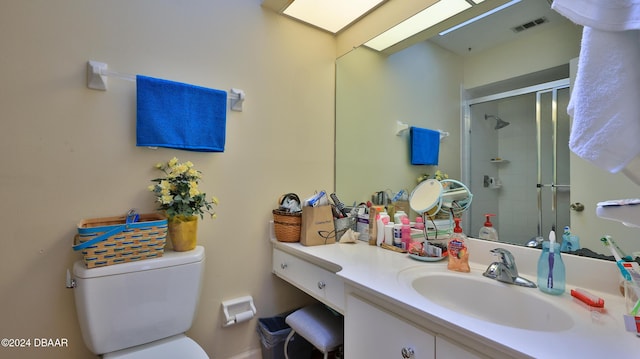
<point>461,84</point>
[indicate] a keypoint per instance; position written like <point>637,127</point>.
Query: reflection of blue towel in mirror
<point>425,146</point>
<point>177,115</point>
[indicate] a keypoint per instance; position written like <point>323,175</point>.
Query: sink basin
<point>492,301</point>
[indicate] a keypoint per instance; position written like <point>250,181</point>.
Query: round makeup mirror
<point>426,198</point>
<point>433,196</point>
<point>456,197</point>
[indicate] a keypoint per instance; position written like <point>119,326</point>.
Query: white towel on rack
<point>605,99</point>
<point>609,15</point>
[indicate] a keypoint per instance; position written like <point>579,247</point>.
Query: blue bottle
<point>570,242</point>
<point>551,272</point>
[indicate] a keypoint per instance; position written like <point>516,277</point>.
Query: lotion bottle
<point>405,233</point>
<point>488,231</point>
<point>457,249</point>
<point>381,221</point>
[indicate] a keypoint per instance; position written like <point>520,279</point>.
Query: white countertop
<point>377,270</point>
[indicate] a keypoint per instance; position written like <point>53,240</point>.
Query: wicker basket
<point>117,241</point>
<point>287,225</point>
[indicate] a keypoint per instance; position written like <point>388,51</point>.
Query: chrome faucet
<point>506,270</point>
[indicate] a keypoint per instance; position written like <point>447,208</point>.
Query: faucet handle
<point>506,258</point>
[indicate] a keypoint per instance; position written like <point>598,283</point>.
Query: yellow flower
<point>193,173</point>
<point>172,162</point>
<point>159,165</point>
<point>193,189</point>
<point>166,199</point>
<point>214,200</point>
<point>164,184</point>
<point>188,164</point>
<point>152,188</point>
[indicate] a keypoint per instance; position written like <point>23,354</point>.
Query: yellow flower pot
<point>183,232</point>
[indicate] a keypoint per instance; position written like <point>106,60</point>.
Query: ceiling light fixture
<point>423,20</point>
<point>330,15</point>
<point>481,16</point>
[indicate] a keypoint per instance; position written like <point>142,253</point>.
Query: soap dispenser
<point>488,231</point>
<point>457,250</point>
<point>551,272</point>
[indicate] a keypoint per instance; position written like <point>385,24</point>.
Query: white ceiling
<point>497,28</point>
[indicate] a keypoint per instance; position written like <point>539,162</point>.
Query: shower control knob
<point>321,285</point>
<point>283,265</point>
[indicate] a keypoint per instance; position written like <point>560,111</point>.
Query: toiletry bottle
<point>397,217</point>
<point>457,249</point>
<point>551,272</point>
<point>488,231</point>
<point>397,234</point>
<point>570,242</point>
<point>406,232</point>
<point>419,223</point>
<point>381,220</point>
<point>388,233</point>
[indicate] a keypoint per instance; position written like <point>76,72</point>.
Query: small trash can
<point>273,332</point>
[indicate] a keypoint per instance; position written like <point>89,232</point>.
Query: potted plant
<point>180,199</point>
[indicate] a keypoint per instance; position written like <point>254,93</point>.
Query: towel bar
<point>97,73</point>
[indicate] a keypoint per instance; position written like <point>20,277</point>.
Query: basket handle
<point>100,238</point>
<point>131,217</point>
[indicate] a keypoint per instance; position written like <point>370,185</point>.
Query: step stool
<point>319,325</point>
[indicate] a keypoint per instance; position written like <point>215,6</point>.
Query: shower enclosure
<point>516,161</point>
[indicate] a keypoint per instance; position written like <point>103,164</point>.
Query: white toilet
<point>142,309</point>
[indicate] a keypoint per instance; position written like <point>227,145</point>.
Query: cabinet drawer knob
<point>283,265</point>
<point>321,285</point>
<point>407,353</point>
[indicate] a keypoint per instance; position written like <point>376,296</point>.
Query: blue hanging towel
<point>425,146</point>
<point>177,115</point>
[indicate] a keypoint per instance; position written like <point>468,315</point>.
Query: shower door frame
<point>554,185</point>
<point>552,87</point>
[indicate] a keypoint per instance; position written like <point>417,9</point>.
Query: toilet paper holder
<point>238,310</point>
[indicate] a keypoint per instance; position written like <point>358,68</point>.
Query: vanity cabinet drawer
<point>318,282</point>
<point>372,332</point>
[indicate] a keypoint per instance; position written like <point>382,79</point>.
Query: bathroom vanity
<point>389,313</point>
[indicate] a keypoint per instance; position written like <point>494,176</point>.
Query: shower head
<point>500,123</point>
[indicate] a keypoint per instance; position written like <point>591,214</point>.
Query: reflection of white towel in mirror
<point>604,101</point>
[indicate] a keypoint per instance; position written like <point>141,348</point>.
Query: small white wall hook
<point>401,127</point>
<point>95,75</point>
<point>443,134</point>
<point>237,99</point>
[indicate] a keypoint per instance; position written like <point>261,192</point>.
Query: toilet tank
<point>129,304</point>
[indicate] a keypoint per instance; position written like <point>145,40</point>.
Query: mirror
<point>427,85</point>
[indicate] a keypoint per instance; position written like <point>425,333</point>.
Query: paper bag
<point>402,205</point>
<point>317,226</point>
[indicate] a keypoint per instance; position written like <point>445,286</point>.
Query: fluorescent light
<point>331,15</point>
<point>428,17</point>
<point>481,16</point>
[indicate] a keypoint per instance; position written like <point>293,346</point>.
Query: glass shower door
<point>553,183</point>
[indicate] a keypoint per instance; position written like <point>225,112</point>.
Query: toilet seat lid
<point>179,346</point>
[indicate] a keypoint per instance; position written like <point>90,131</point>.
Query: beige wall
<point>69,152</point>
<point>551,47</point>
